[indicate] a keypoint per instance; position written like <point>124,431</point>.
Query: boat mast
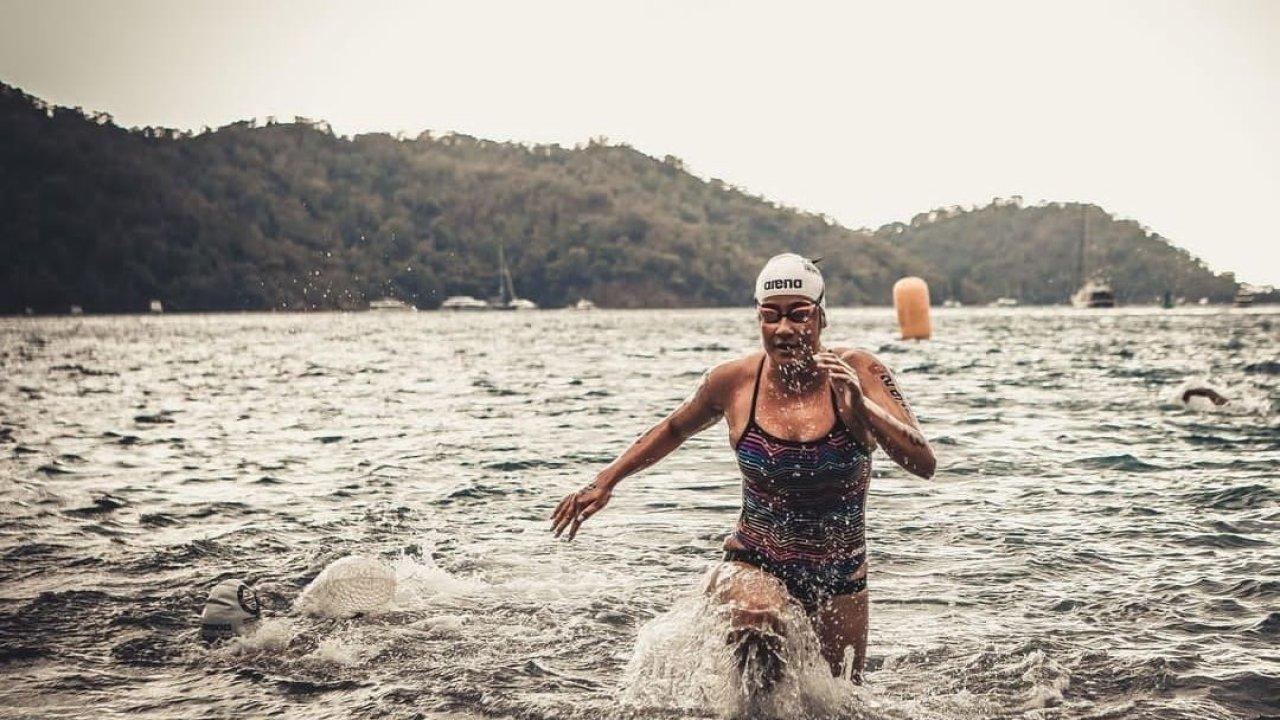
<point>502,272</point>
<point>510,286</point>
<point>1084,240</point>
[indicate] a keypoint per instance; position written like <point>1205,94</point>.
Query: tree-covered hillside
<point>286,215</point>
<point>1033,254</point>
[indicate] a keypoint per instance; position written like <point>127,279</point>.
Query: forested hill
<point>286,215</point>
<point>1033,254</point>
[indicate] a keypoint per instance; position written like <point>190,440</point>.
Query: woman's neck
<point>798,378</point>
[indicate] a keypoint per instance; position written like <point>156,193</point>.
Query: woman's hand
<point>575,508</point>
<point>841,376</point>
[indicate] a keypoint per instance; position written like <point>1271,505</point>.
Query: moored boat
<point>391,304</point>
<point>1094,294</point>
<point>506,299</point>
<point>464,302</point>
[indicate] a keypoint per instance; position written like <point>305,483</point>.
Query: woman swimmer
<point>803,421</point>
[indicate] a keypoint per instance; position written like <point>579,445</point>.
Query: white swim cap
<point>790,274</point>
<point>230,607</point>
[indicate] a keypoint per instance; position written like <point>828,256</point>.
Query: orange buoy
<point>911,299</point>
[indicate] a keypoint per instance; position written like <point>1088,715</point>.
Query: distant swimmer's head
<point>791,305</point>
<point>1209,394</point>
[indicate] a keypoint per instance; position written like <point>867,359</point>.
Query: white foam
<point>1241,400</point>
<point>339,651</point>
<point>420,582</point>
<point>681,661</point>
<point>1048,680</point>
<point>445,625</point>
<point>269,635</point>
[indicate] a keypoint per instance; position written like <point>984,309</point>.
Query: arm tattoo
<point>886,377</point>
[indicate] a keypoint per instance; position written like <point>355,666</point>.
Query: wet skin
<point>793,405</point>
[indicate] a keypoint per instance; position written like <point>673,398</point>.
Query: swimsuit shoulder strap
<point>755,393</point>
<point>836,407</point>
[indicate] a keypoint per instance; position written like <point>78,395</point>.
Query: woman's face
<point>790,326</point>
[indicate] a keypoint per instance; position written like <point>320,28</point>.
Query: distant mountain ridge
<point>286,215</point>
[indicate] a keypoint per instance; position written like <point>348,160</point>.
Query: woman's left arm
<point>873,396</point>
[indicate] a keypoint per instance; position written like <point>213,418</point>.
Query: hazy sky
<point>1165,112</point>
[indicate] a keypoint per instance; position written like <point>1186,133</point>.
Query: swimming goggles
<point>799,315</point>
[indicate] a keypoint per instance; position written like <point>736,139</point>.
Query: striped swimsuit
<point>802,507</point>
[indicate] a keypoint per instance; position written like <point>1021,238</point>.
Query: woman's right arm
<point>703,409</point>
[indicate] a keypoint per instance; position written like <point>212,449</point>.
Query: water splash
<point>684,661</point>
<point>271,635</point>
<point>1242,399</point>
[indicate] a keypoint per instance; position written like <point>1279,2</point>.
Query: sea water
<point>1090,547</point>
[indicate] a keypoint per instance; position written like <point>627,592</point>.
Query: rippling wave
<point>1091,547</point>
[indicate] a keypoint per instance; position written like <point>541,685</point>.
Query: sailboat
<point>506,299</point>
<point>1095,292</point>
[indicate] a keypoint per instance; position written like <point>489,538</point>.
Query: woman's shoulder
<point>867,365</point>
<point>737,367</point>
<point>728,375</point>
<point>858,357</point>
